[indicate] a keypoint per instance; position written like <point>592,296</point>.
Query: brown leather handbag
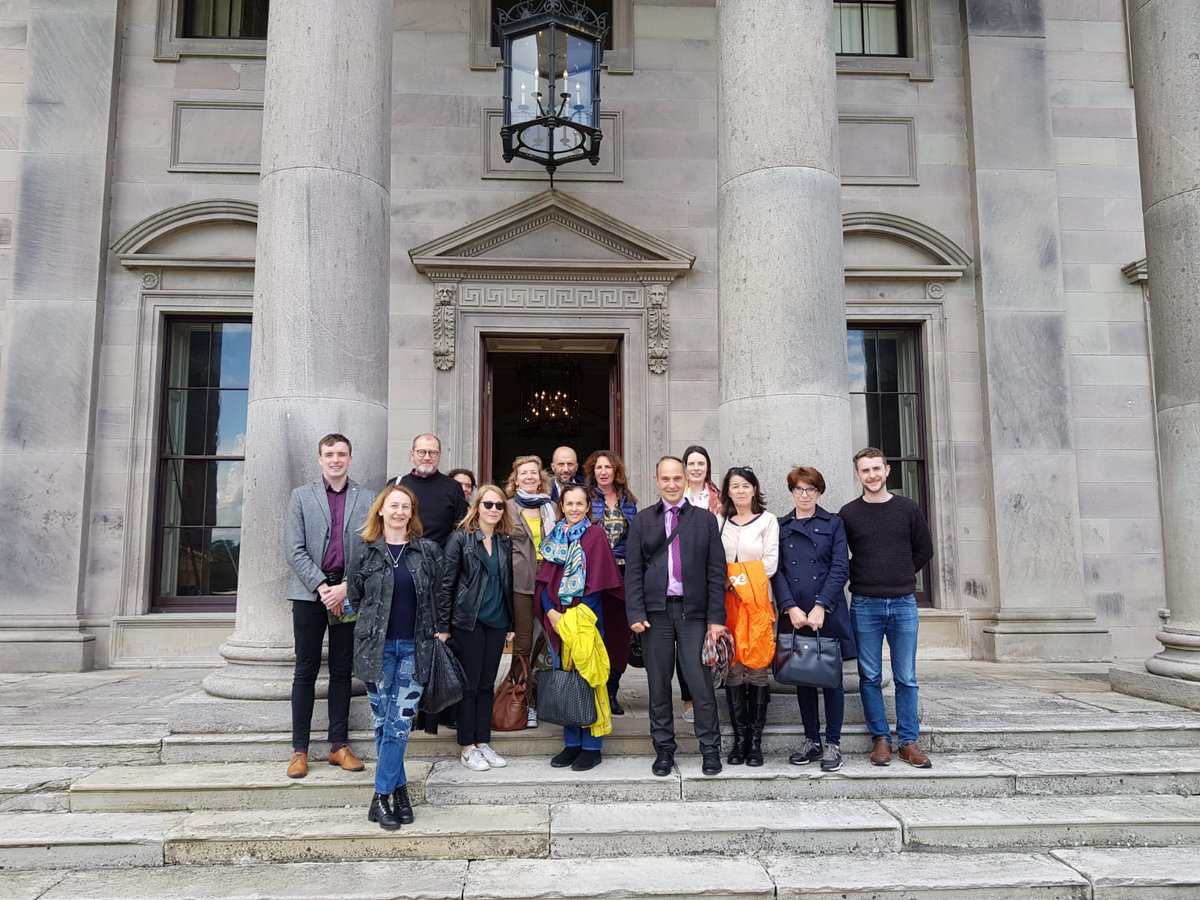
<point>510,709</point>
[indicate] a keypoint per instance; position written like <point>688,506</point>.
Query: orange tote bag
<point>750,614</point>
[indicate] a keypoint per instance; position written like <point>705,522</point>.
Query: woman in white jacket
<point>748,532</point>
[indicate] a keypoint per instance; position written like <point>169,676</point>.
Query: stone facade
<point>990,195</point>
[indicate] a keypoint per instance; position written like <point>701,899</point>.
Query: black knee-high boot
<point>758,698</point>
<point>735,694</point>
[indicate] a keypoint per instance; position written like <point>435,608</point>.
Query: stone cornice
<point>131,247</point>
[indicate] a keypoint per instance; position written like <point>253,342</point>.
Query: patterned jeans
<point>394,704</point>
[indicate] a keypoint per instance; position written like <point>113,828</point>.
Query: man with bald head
<point>440,501</point>
<point>564,467</point>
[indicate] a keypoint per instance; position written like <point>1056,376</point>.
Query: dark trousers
<point>479,651</point>
<point>835,712</point>
<point>309,621</point>
<point>671,637</point>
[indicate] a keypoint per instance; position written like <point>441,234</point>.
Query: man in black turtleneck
<point>440,501</point>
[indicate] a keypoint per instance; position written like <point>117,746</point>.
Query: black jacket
<point>703,564</point>
<point>369,582</point>
<point>464,575</point>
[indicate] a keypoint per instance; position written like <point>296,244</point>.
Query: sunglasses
<point>492,504</point>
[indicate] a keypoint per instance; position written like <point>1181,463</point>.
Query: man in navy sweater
<point>889,544</point>
<point>440,501</point>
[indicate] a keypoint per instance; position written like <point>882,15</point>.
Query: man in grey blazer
<point>323,517</point>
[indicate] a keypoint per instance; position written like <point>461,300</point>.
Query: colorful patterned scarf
<point>561,546</point>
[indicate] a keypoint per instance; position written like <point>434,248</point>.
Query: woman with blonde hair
<point>391,577</point>
<point>533,515</point>
<point>475,615</point>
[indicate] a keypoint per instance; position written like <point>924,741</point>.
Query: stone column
<point>1034,496</point>
<point>319,358</point>
<point>1165,36</point>
<point>47,403</point>
<point>781,311</point>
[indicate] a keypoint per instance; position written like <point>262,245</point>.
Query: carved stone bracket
<point>658,330</point>
<point>445,311</point>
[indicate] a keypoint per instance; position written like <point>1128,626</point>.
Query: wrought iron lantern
<point>552,51</point>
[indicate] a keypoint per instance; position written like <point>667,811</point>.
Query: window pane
<point>199,345</point>
<point>231,354</point>
<point>183,562</point>
<point>881,29</point>
<point>859,431</point>
<point>856,359</point>
<point>225,18</point>
<point>223,551</point>
<point>868,28</point>
<point>847,28</point>
<point>226,491</point>
<point>885,362</point>
<point>228,408</point>
<point>199,431</point>
<point>186,493</point>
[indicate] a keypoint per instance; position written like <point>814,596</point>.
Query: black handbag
<point>806,661</point>
<point>565,698</point>
<point>637,658</point>
<point>447,681</point>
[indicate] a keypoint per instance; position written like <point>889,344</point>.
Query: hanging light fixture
<point>551,386</point>
<point>552,51</point>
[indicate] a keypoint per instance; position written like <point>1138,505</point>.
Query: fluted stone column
<point>1040,612</point>
<point>783,384</point>
<point>319,357</point>
<point>51,351</point>
<point>1166,35</point>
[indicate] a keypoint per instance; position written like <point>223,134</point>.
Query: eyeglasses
<point>805,490</point>
<point>492,504</point>
<point>430,454</point>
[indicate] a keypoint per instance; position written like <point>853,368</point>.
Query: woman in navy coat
<point>814,565</point>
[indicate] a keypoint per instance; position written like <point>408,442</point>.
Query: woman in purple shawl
<point>579,568</point>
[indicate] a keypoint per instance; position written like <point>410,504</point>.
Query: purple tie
<point>673,552</point>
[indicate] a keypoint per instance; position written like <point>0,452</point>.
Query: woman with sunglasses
<point>814,565</point>
<point>580,571</point>
<point>475,615</point>
<point>749,532</point>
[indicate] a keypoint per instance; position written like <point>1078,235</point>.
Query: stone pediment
<point>551,236</point>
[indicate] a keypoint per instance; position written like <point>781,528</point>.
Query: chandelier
<point>551,385</point>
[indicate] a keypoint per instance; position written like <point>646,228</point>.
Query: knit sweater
<point>440,504</point>
<point>889,544</point>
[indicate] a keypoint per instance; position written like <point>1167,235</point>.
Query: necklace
<point>396,557</point>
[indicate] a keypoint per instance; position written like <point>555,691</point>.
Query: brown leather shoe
<point>298,767</point>
<point>346,759</point>
<point>881,753</point>
<point>915,756</point>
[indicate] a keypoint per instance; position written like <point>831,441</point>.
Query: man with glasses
<point>440,501</point>
<point>889,544</point>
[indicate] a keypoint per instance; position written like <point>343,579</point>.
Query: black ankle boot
<point>381,813</point>
<point>735,694</point>
<point>614,704</point>
<point>402,806</point>
<point>759,697</point>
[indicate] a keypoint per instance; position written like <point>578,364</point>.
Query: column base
<point>47,650</point>
<point>253,671</point>
<point>1140,683</point>
<point>1038,635</point>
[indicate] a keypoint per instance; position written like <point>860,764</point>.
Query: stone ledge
<point>1140,683</point>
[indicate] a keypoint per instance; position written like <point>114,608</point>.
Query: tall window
<point>203,445</point>
<point>873,28</point>
<point>887,408</point>
<point>224,19</point>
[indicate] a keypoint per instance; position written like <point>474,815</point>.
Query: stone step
<point>1144,873</point>
<point>533,780</point>
<point>69,841</point>
<point>95,745</point>
<point>247,786</point>
<point>727,828</point>
<point>336,835</point>
<point>1060,821</point>
<point>29,789</point>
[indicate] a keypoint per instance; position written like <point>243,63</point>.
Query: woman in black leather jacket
<point>391,576</point>
<point>475,614</point>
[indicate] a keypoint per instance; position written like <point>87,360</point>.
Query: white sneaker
<point>531,718</point>
<point>491,757</point>
<point>689,714</point>
<point>473,759</point>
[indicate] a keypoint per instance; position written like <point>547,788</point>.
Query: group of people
<point>438,557</point>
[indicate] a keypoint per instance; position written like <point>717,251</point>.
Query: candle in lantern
<point>522,93</point>
<point>577,93</point>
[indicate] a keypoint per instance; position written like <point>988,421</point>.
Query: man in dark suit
<point>675,596</point>
<point>323,516</point>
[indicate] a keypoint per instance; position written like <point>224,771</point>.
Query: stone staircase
<point>1104,803</point>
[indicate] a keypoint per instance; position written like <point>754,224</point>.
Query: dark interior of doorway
<point>508,432</point>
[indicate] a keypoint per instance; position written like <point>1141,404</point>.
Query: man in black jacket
<point>440,501</point>
<point>674,596</point>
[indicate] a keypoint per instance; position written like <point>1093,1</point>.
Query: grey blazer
<point>306,535</point>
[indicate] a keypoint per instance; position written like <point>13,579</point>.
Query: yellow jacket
<point>583,649</point>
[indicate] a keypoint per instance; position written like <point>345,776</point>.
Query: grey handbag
<point>806,661</point>
<point>565,698</point>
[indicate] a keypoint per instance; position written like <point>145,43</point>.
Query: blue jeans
<point>394,704</point>
<point>579,737</point>
<point>894,618</point>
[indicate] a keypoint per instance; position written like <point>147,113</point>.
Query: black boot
<point>381,813</point>
<point>613,702</point>
<point>759,697</point>
<point>401,805</point>
<point>736,695</point>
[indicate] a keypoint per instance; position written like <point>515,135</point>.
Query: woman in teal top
<point>474,614</point>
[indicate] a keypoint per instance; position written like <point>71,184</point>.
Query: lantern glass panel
<point>581,55</point>
<point>523,88</point>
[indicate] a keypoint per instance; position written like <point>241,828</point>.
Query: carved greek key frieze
<point>658,328</point>
<point>445,312</point>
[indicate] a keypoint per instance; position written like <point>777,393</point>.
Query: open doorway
<point>541,391</point>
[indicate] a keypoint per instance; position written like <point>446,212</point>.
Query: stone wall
<point>14,19</point>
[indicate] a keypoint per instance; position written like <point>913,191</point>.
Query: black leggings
<point>479,651</point>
